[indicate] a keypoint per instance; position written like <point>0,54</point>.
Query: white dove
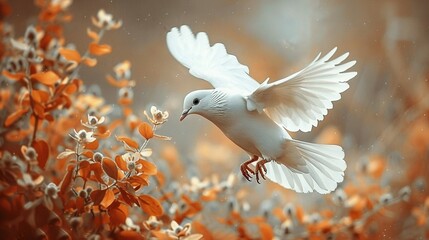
<point>256,116</point>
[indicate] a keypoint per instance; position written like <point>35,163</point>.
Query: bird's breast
<point>254,132</point>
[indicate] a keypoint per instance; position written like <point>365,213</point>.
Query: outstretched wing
<point>299,101</point>
<point>211,63</point>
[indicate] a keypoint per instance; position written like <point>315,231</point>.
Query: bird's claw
<point>261,169</point>
<point>246,170</point>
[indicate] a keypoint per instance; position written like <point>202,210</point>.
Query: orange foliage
<point>70,54</point>
<point>48,78</point>
<point>146,131</point>
<point>99,50</point>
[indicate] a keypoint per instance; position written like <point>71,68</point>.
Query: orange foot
<point>261,169</point>
<point>246,170</point>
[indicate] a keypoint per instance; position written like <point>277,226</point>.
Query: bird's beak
<point>185,113</point>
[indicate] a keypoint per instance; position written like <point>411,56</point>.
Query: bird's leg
<point>245,169</point>
<point>261,169</point>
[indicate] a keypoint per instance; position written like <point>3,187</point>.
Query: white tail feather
<point>325,165</point>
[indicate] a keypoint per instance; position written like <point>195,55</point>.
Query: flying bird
<point>256,117</point>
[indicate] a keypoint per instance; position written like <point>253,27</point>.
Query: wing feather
<point>299,101</point>
<point>210,63</point>
<point>308,167</point>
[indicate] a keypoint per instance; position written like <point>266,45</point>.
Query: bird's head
<point>196,102</point>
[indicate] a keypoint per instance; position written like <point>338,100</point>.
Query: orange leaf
<point>146,130</point>
<point>70,54</point>
<point>121,163</point>
<point>73,86</point>
<point>88,153</point>
<point>127,112</point>
<point>124,101</point>
<point>90,62</point>
<point>100,219</point>
<point>48,78</point>
<point>40,96</point>
<point>41,215</point>
<point>99,49</point>
<point>114,124</point>
<point>92,145</point>
<point>12,118</point>
<point>160,235</point>
<point>266,231</point>
<point>200,228</point>
<point>110,168</point>
<point>25,100</point>
<point>17,135</point>
<point>80,204</point>
<point>195,236</point>
<point>65,101</point>
<point>300,215</point>
<point>162,137</point>
<point>121,206</point>
<point>98,171</point>
<point>65,154</point>
<point>208,195</point>
<point>139,180</point>
<point>129,235</point>
<point>357,206</point>
<point>117,216</point>
<point>65,183</point>
<point>4,97</point>
<point>150,205</point>
<point>148,168</point>
<point>161,179</point>
<point>66,17</point>
<point>108,198</point>
<point>49,117</point>
<point>70,88</point>
<point>196,205</point>
<point>128,141</point>
<point>84,169</point>
<point>42,149</point>
<point>102,132</point>
<point>13,76</point>
<point>129,198</point>
<point>97,196</point>
<point>39,110</point>
<point>92,35</point>
<point>117,83</point>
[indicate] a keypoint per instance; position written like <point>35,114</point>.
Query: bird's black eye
<point>196,101</point>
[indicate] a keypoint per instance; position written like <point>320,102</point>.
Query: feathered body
<point>256,116</point>
<point>238,124</point>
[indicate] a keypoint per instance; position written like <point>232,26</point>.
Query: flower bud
<point>76,222</point>
<point>405,193</point>
<point>97,156</point>
<point>131,165</point>
<point>51,190</point>
<point>31,153</point>
<point>83,193</point>
<point>82,135</point>
<point>386,198</point>
<point>289,210</point>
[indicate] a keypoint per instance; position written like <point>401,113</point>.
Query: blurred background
<point>384,113</point>
<point>389,40</point>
